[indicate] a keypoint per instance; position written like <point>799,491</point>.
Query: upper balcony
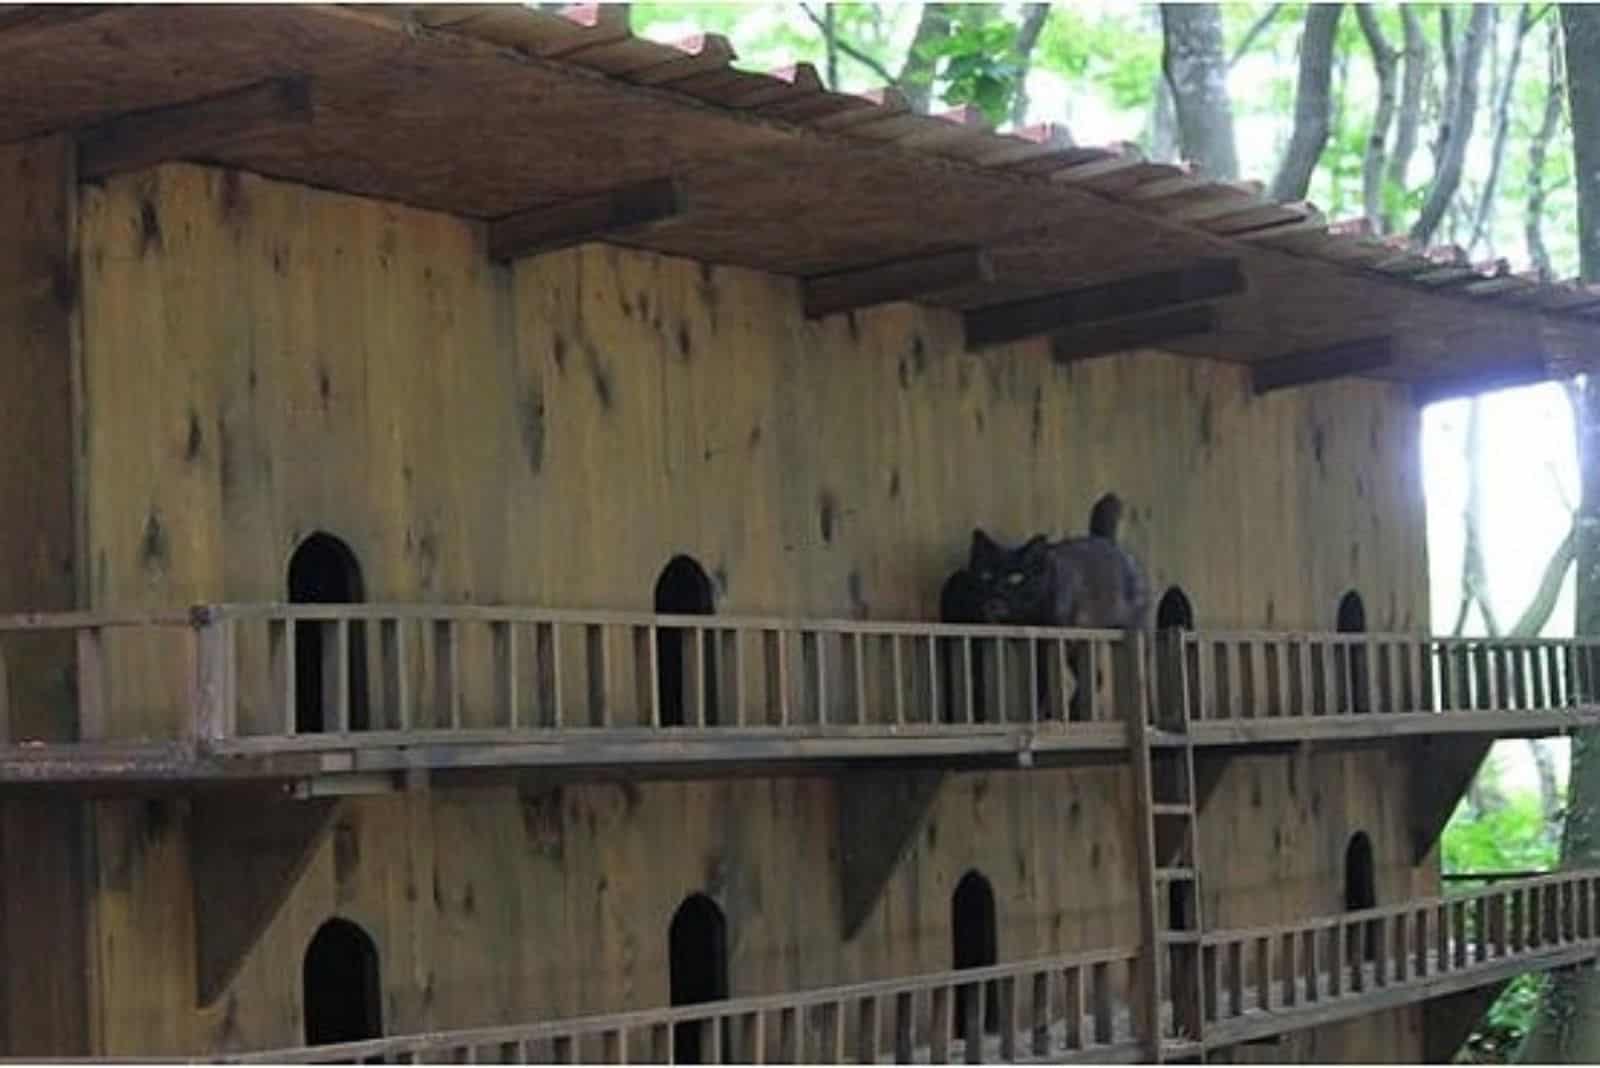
<point>363,696</point>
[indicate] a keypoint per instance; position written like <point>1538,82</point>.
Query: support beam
<point>192,129</point>
<point>879,815</point>
<point>1319,365</point>
<point>557,226</point>
<point>246,852</point>
<point>1452,761</point>
<point>1202,280</point>
<point>904,279</point>
<point>1447,1022</point>
<point>1452,387</point>
<point>1123,335</point>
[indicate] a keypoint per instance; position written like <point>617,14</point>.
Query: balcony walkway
<point>1259,983</point>
<point>393,690</point>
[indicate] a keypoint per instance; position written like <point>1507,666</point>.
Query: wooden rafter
<point>1123,335</point>
<point>592,218</point>
<point>901,279</point>
<point>1319,365</point>
<point>192,129</point>
<point>1206,279</point>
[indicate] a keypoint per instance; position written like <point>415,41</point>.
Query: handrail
<point>1272,989</point>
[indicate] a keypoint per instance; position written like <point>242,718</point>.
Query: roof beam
<point>1124,335</point>
<point>1451,387</point>
<point>194,128</point>
<point>592,218</point>
<point>1002,323</point>
<point>895,280</point>
<point>1318,365</point>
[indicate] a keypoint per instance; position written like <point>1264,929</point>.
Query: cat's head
<point>1011,585</point>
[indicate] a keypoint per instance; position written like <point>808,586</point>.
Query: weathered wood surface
<point>1259,982</point>
<point>475,142</point>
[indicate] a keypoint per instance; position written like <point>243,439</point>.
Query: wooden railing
<point>1257,982</point>
<point>315,675</point>
<point>1058,1009</point>
<point>1431,945</point>
<point>451,667</point>
<point>1261,675</point>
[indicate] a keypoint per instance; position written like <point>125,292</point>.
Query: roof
<point>488,110</point>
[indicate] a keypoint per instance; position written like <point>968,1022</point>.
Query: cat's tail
<point>1105,517</point>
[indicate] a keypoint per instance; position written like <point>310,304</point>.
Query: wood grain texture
<point>264,360</point>
<point>43,917</point>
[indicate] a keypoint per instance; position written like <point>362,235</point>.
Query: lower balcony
<point>363,696</point>
<point>1250,985</point>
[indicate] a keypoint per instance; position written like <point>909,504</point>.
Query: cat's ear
<point>983,547</point>
<point>1035,549</point>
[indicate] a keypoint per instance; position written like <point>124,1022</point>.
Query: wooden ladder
<point>1169,863</point>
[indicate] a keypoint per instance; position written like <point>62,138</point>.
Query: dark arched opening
<point>343,997</point>
<point>323,570</point>
<point>1352,619</point>
<point>1361,889</point>
<point>697,960</point>
<point>685,590</point>
<point>974,944</point>
<point>1174,611</point>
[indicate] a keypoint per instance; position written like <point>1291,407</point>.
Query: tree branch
<point>1408,120</point>
<point>1457,131</point>
<point>846,48</point>
<point>1538,147</point>
<point>1502,126</point>
<point>1537,615</point>
<point>1256,29</point>
<point>1196,68</point>
<point>1028,30</point>
<point>1312,103</point>
<point>1385,64</point>
<point>916,73</point>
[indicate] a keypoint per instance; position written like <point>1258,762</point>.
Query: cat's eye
<point>1015,578</point>
<point>987,576</point>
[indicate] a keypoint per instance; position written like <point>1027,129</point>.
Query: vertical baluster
<point>867,1030</point>
<point>1205,697</point>
<point>1331,654</point>
<point>1100,976</point>
<point>1064,675</point>
<point>897,665</point>
<point>905,1024</point>
<point>1040,1037</point>
<point>92,713</point>
<point>341,676</point>
<point>973,1011</point>
<point>1312,966</point>
<point>736,639</point>
<point>1371,651</point>
<point>940,1025</point>
<point>1263,971</point>
<point>1002,706</point>
<point>697,676</point>
<point>552,657</point>
<point>859,672</point>
<point>933,687</point>
<point>1401,947</point>
<point>1073,987</point>
<point>1006,994</point>
<point>597,668</point>
<point>1480,939</point>
<point>281,657</point>
<point>1235,978</point>
<point>781,638</point>
<point>1291,975</point>
<point>395,652</point>
<point>1338,959</point>
<point>1033,680</point>
<point>1459,939</point>
<point>1093,665</point>
<point>502,634</point>
<point>968,713</point>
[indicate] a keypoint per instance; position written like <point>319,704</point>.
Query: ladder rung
<point>1173,875</point>
<point>1171,808</point>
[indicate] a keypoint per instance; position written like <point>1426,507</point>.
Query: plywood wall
<point>42,916</point>
<point>263,360</point>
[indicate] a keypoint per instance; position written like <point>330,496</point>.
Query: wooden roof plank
<point>895,280</point>
<point>556,226</point>
<point>1319,365</point>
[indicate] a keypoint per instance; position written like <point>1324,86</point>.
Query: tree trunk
<point>1385,64</point>
<point>1538,148</point>
<point>1408,120</point>
<point>1312,103</point>
<point>916,74</point>
<point>1544,762</point>
<point>1474,577</point>
<point>1502,127</point>
<point>1197,70</point>
<point>1028,31</point>
<point>1567,1029</point>
<point>1456,130</point>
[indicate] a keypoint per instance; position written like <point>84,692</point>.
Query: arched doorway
<point>697,962</point>
<point>974,944</point>
<point>1352,619</point>
<point>684,589</point>
<point>323,570</point>
<point>1174,615</point>
<point>342,992</point>
<point>1361,888</point>
<point>1174,611</point>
